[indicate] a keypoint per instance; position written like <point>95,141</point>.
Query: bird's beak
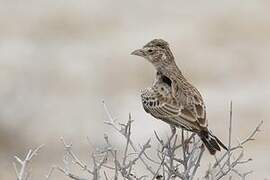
<point>138,52</point>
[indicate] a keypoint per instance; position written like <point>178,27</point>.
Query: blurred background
<point>60,59</point>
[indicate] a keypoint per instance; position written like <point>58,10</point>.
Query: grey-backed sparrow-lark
<point>172,98</point>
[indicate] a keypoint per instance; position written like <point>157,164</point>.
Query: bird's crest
<point>157,42</point>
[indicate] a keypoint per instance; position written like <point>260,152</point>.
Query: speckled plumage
<point>172,98</point>
<point>180,106</point>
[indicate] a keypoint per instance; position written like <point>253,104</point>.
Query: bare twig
<point>74,157</point>
<point>23,173</point>
<point>174,157</point>
<point>111,122</point>
<point>65,172</point>
<point>223,165</point>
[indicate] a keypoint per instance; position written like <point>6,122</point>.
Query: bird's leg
<point>173,129</point>
<point>167,144</point>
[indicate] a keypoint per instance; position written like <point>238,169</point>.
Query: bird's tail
<point>211,142</point>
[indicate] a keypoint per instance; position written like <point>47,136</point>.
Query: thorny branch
<point>23,173</point>
<point>176,157</point>
<point>223,165</point>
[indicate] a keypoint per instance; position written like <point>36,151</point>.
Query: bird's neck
<point>170,70</point>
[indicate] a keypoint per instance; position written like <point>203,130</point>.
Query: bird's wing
<point>165,107</point>
<point>190,98</point>
<point>195,105</point>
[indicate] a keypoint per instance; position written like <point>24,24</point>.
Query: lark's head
<point>157,52</point>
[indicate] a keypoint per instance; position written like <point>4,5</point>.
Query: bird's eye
<point>149,50</point>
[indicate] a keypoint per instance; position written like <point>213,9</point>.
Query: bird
<point>172,98</point>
